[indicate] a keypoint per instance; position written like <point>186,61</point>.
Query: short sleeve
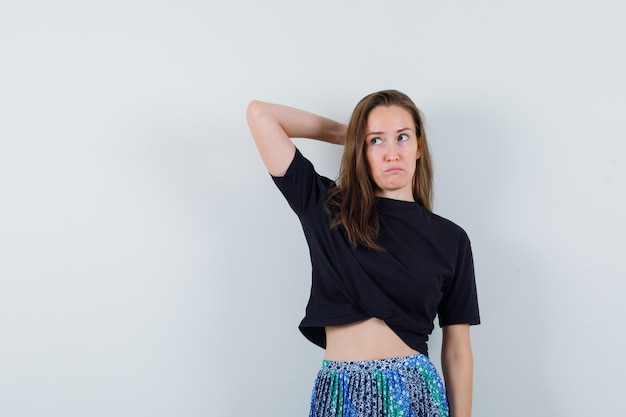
<point>302,187</point>
<point>459,304</point>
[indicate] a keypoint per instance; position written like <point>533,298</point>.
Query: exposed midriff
<point>364,340</point>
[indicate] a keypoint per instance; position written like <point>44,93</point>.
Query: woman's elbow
<point>255,109</point>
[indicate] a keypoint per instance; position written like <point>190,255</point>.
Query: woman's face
<point>391,150</point>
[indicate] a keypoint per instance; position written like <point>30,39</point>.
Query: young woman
<point>383,265</point>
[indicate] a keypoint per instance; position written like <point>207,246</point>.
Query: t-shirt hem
<point>335,321</point>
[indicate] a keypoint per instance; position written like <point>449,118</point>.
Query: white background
<point>149,267</point>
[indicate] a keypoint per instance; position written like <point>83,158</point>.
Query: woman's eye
<point>375,141</point>
<point>403,137</point>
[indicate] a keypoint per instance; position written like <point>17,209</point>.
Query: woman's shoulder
<point>447,226</point>
<point>302,186</point>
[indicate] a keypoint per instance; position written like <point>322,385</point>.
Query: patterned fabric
<point>397,387</point>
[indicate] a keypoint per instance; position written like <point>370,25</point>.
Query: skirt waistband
<point>404,362</point>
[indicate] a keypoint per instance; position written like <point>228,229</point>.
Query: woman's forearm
<point>298,123</point>
<point>457,365</point>
<point>273,126</point>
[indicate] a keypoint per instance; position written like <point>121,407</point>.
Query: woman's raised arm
<point>273,126</point>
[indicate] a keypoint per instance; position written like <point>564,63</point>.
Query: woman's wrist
<point>340,135</point>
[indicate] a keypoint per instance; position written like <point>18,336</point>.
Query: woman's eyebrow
<point>380,133</point>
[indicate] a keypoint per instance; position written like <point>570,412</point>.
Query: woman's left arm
<point>457,364</point>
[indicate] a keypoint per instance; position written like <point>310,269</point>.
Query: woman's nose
<point>392,154</point>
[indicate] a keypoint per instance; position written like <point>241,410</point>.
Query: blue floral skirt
<point>397,387</point>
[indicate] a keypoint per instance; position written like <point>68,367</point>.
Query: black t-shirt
<point>426,267</point>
